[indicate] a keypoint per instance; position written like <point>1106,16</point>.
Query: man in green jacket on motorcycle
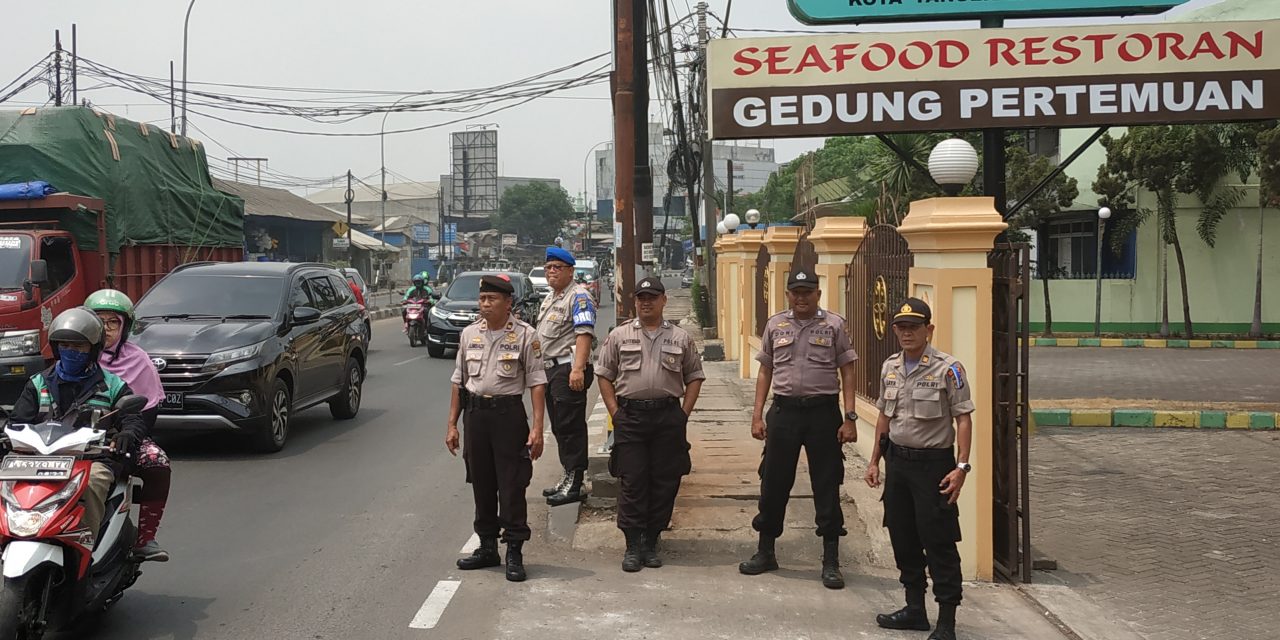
<point>418,290</point>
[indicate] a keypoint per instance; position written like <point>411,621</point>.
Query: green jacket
<point>424,292</point>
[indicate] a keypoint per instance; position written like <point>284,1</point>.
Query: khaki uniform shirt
<point>648,368</point>
<point>563,317</point>
<point>504,362</point>
<point>921,404</point>
<point>805,355</point>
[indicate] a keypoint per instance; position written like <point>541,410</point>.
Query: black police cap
<point>496,284</point>
<point>913,310</point>
<point>802,278</point>
<point>650,285</point>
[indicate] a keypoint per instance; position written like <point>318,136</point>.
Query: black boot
<point>763,560</point>
<point>649,550</point>
<point>564,482</point>
<point>486,555</point>
<point>569,493</point>
<point>831,576</point>
<point>631,561</point>
<point>946,629</point>
<point>515,561</point>
<point>911,617</point>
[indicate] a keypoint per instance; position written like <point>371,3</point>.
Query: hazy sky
<point>395,45</point>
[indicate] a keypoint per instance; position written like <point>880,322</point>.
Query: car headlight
<point>223,359</point>
<point>20,343</point>
<point>440,313</point>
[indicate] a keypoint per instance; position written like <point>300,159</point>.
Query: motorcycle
<point>415,317</point>
<point>53,574</point>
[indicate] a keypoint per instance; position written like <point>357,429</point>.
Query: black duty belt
<point>494,402</point>
<point>648,405</point>
<point>908,453</point>
<point>804,402</point>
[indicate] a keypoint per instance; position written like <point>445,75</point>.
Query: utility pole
<point>624,150</point>
<point>728,184</point>
<point>57,69</point>
<point>173,101</point>
<point>993,151</point>
<point>643,215</point>
<point>440,227</point>
<point>186,22</point>
<point>75,90</point>
<point>708,181</point>
<point>348,197</point>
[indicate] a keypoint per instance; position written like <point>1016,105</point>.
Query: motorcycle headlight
<point>19,343</point>
<point>27,523</point>
<point>440,313</point>
<point>222,359</point>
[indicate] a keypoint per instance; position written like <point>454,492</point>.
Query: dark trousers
<point>499,469</point>
<point>789,429</point>
<point>923,528</point>
<point>568,411</point>
<point>650,455</point>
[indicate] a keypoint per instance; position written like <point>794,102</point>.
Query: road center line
<point>434,607</point>
<point>472,543</point>
<point>408,361</point>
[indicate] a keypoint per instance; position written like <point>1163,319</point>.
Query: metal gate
<point>1011,278</point>
<point>877,279</point>
<point>762,289</point>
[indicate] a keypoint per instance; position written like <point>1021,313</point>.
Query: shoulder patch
<point>955,373</point>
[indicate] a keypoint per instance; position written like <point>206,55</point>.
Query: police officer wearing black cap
<point>646,366</point>
<point>922,392</point>
<point>802,351</point>
<point>499,357</point>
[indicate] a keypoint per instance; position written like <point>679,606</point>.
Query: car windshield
<point>184,295</point>
<point>538,273</point>
<point>464,287</point>
<point>15,261</point>
<point>582,272</point>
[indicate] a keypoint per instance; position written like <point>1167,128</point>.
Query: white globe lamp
<point>753,217</point>
<point>1104,213</point>
<point>731,222</point>
<point>953,164</point>
<point>720,228</point>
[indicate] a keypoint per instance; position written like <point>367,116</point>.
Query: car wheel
<point>273,431</point>
<point>346,404</point>
<point>435,350</point>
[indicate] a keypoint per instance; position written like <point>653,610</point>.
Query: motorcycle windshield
<point>51,432</point>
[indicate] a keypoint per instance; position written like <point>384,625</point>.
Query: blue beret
<point>556,253</point>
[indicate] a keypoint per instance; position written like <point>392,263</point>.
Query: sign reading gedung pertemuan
<point>1009,78</point>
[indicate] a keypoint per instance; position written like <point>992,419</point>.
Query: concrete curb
<point>1204,419</point>
<point>1148,343</point>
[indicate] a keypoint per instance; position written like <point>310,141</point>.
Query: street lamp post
<point>1103,214</point>
<point>953,164</point>
<point>185,22</point>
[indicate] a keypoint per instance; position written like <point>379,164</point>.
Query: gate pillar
<point>782,243</point>
<point>729,280</point>
<point>837,240</point>
<point>744,297</point>
<point>950,239</point>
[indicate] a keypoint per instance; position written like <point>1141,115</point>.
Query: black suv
<point>459,306</point>
<point>242,346</point>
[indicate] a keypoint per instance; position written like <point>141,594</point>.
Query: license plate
<point>36,467</point>
<point>173,400</point>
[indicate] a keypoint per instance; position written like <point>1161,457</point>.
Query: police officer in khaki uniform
<point>922,392</point>
<point>499,356</point>
<point>567,322</point>
<point>801,352</point>
<point>645,367</point>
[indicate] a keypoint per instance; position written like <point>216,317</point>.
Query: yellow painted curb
<point>1238,420</point>
<point>1189,419</point>
<point>1246,344</point>
<point>1200,344</point>
<point>1156,344</point>
<point>1090,418</point>
<point>1112,342</point>
<point>1068,342</point>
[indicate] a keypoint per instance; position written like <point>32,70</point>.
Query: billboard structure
<point>865,11</point>
<point>1076,76</point>
<point>474,173</point>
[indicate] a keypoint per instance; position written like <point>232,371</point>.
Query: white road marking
<point>472,543</point>
<point>434,607</point>
<point>408,361</point>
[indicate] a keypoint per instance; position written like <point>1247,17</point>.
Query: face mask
<point>72,364</point>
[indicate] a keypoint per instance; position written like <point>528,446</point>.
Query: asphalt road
<point>344,534</point>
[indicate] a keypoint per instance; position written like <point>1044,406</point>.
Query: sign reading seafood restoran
<point>1075,76</point>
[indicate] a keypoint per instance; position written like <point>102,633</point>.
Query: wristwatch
<point>965,467</point>
<point>851,416</point>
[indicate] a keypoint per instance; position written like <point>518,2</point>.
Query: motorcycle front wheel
<point>24,604</point>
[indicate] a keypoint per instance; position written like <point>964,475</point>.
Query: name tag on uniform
<point>782,342</point>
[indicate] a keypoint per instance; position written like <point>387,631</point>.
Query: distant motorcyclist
<point>77,381</point>
<point>419,290</point>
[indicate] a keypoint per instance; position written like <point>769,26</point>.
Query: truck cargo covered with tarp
<point>156,186</point>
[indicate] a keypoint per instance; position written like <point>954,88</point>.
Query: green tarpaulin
<point>155,192</point>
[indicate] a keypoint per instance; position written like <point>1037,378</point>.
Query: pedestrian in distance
<point>499,357</point>
<point>646,367</point>
<point>566,324</point>
<point>923,391</point>
<point>807,361</point>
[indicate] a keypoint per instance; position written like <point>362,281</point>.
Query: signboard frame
<point>826,12</point>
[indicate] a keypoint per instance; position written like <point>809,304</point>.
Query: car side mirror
<point>131,404</point>
<point>435,296</point>
<point>305,315</point>
<point>39,277</point>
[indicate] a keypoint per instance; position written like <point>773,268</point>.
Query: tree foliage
<point>1024,171</point>
<point>534,211</point>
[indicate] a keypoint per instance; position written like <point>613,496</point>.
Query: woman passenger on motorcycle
<point>133,365</point>
<point>76,381</point>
